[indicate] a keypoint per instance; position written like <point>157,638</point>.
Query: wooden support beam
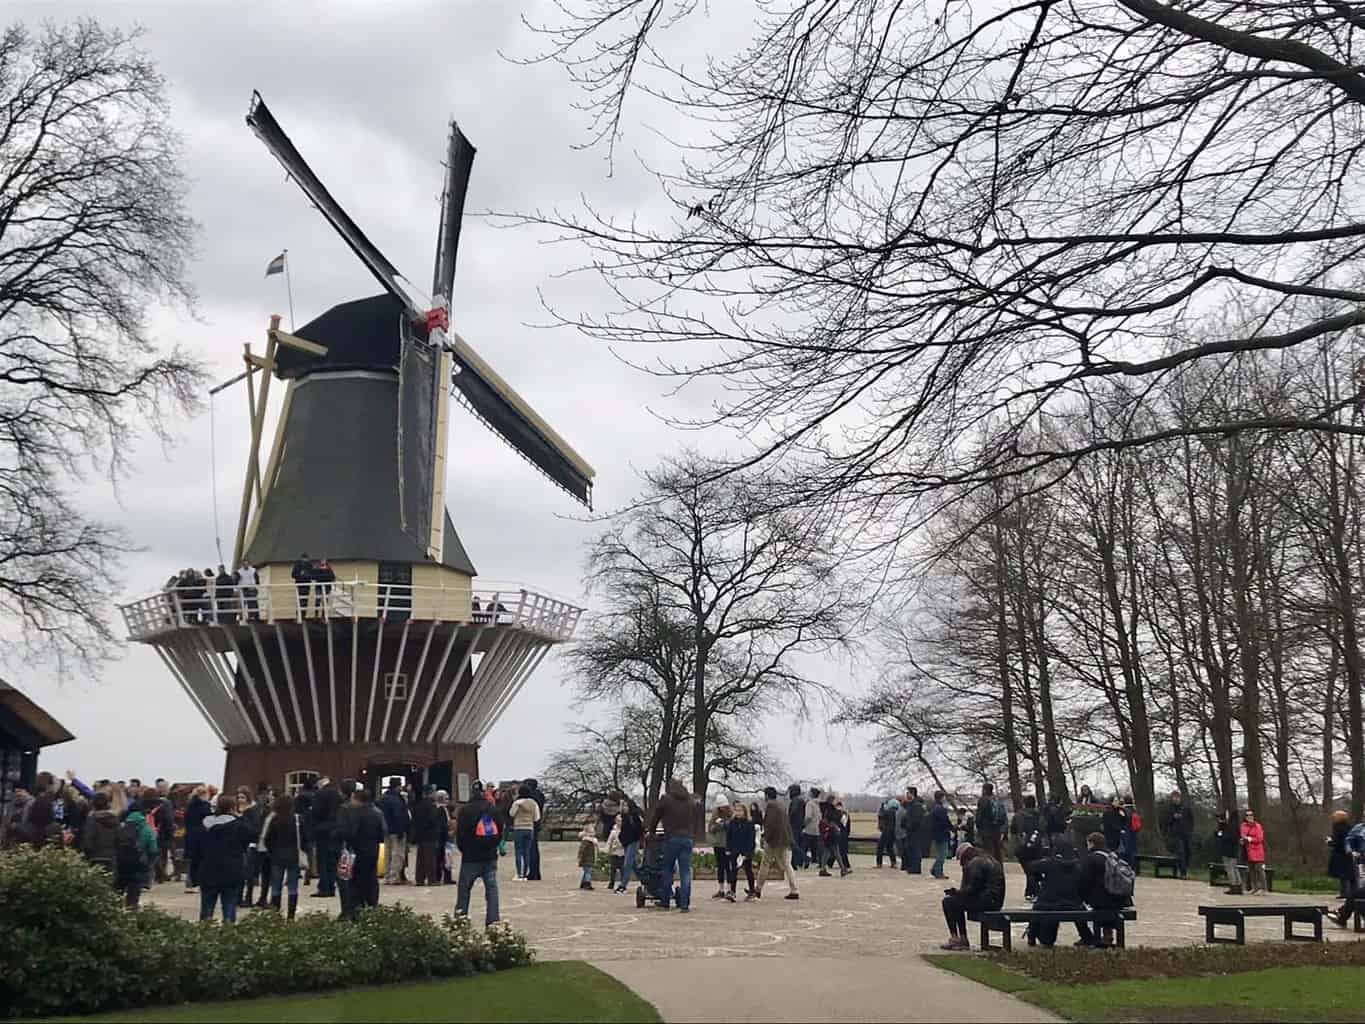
<point>302,344</point>
<point>253,462</point>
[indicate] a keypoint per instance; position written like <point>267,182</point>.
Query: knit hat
<point>722,800</point>
<point>965,852</point>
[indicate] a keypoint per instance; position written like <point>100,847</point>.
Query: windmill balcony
<point>512,605</point>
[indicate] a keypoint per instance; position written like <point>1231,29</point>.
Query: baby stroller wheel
<point>640,896</point>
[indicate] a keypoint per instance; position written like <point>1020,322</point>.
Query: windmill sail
<point>268,130</point>
<point>459,162</point>
<point>492,400</point>
<point>420,392</point>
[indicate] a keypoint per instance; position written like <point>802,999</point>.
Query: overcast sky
<point>364,90</point>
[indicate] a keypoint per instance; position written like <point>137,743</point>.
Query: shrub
<point>63,922</point>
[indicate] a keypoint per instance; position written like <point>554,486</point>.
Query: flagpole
<point>289,289</point>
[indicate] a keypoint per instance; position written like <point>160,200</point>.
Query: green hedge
<point>69,947</point>
<point>703,865</point>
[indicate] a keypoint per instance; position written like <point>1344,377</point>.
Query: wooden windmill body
<point>402,664</point>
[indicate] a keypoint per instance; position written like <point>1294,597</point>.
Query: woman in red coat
<point>1253,842</point>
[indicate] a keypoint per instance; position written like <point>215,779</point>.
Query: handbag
<point>346,864</point>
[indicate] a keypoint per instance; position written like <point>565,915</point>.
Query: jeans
<point>913,857</point>
<point>886,846</point>
<point>533,860</point>
<point>212,894</point>
<point>940,855</point>
<point>327,852</point>
<point>396,855</point>
<point>470,872</point>
<point>586,879</point>
<point>798,852</point>
<point>1129,844</point>
<point>810,849</point>
<point>1180,846</point>
<point>725,871</point>
<point>1234,872</point>
<point>631,850</point>
<point>278,874</point>
<point>677,851</point>
<point>522,838</point>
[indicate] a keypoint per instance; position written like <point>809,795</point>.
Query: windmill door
<point>395,590</point>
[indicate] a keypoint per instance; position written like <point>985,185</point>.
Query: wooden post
<point>253,462</point>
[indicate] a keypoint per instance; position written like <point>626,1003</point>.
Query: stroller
<point>651,874</point>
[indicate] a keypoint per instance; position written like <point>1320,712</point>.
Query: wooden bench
<point>1236,915</point>
<point>1217,876</point>
<point>1000,921</point>
<point>1158,862</point>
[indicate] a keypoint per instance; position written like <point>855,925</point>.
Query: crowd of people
<point>223,596</point>
<point>254,850</point>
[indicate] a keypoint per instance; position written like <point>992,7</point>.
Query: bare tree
<point>93,230</point>
<point>896,223</point>
<point>711,596</point>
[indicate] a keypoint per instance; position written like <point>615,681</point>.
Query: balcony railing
<point>505,605</point>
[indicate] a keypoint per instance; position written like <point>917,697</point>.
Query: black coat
<point>1059,883</point>
<point>1092,889</point>
<point>983,884</point>
<point>426,824</point>
<point>1229,840</point>
<point>1113,825</point>
<point>632,827</point>
<point>282,840</point>
<point>322,817</point>
<point>474,848</point>
<point>1339,858</point>
<point>362,829</point>
<point>222,848</point>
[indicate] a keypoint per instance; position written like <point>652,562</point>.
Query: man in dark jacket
<point>1055,814</point>
<point>796,818</point>
<point>886,830</point>
<point>345,790</point>
<point>196,811</point>
<point>1177,825</point>
<point>677,812</point>
<point>982,889</point>
<point>222,860</point>
<point>426,833</point>
<point>912,853</point>
<point>1093,868</point>
<point>538,795</point>
<point>362,830</point>
<point>477,834</point>
<point>1027,831</point>
<point>322,828</point>
<point>779,843</point>
<point>1058,884</point>
<point>397,823</point>
<point>990,823</point>
<point>303,808</point>
<point>941,833</point>
<point>99,839</point>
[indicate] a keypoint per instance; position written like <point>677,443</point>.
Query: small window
<point>295,781</point>
<point>395,686</point>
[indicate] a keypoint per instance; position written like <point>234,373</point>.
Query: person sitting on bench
<point>1096,896</point>
<point>982,889</point>
<point>1058,881</point>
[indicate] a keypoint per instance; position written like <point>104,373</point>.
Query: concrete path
<point>711,989</point>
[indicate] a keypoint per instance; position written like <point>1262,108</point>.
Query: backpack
<point>128,854</point>
<point>487,828</point>
<point>1119,878</point>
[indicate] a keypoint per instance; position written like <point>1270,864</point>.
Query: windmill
<point>399,664</point>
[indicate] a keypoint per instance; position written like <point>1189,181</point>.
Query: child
<point>616,854</point>
<point>740,840</point>
<point>587,851</point>
<point>716,832</point>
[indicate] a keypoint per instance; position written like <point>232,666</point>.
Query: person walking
<point>135,854</point>
<point>844,827</point>
<point>525,813</point>
<point>282,840</point>
<point>477,835</point>
<point>587,852</point>
<point>1228,840</point>
<point>1339,861</point>
<point>991,820</point>
<point>538,795</point>
<point>717,833</point>
<point>796,818</point>
<point>223,847</point>
<point>676,812</point>
<point>426,834</point>
<point>1026,828</point>
<point>1253,842</point>
<point>1177,827</point>
<point>363,829</point>
<point>446,854</point>
<point>632,830</point>
<point>982,889</point>
<point>616,856</point>
<point>397,823</point>
<point>810,832</point>
<point>886,830</point>
<point>196,811</point>
<point>322,826</point>
<point>912,854</point>
<point>778,844</point>
<point>941,833</point>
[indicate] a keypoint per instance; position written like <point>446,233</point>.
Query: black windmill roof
<point>335,490</point>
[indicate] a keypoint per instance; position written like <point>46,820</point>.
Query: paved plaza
<point>848,947</point>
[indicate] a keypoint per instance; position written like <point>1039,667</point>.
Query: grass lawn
<point>554,991</point>
<point>1306,993</point>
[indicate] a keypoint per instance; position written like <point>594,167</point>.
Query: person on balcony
<point>302,574</point>
<point>323,578</point>
<point>247,582</point>
<point>225,595</point>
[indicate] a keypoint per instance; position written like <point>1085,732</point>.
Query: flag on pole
<point>276,266</point>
